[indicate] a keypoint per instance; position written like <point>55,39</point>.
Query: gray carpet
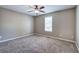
<point>37,44</point>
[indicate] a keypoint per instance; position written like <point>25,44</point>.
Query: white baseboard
<point>56,38</point>
<point>38,34</point>
<point>15,38</point>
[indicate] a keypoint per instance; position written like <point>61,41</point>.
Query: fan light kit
<point>36,11</point>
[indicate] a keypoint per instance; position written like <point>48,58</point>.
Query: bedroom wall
<point>63,24</point>
<point>14,24</point>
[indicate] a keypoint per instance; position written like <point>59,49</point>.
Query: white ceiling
<point>47,9</point>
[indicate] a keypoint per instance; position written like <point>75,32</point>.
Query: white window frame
<point>48,19</point>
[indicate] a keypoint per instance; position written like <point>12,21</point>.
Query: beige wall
<point>14,24</point>
<point>77,26</point>
<point>63,24</point>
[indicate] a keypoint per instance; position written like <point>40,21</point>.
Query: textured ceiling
<point>47,9</point>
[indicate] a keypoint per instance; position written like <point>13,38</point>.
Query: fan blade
<point>30,11</point>
<point>41,7</point>
<point>42,11</point>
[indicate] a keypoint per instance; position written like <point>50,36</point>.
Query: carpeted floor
<point>37,44</point>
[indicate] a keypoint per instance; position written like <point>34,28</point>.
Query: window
<point>48,23</point>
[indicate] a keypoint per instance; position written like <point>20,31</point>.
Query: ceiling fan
<point>37,9</point>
